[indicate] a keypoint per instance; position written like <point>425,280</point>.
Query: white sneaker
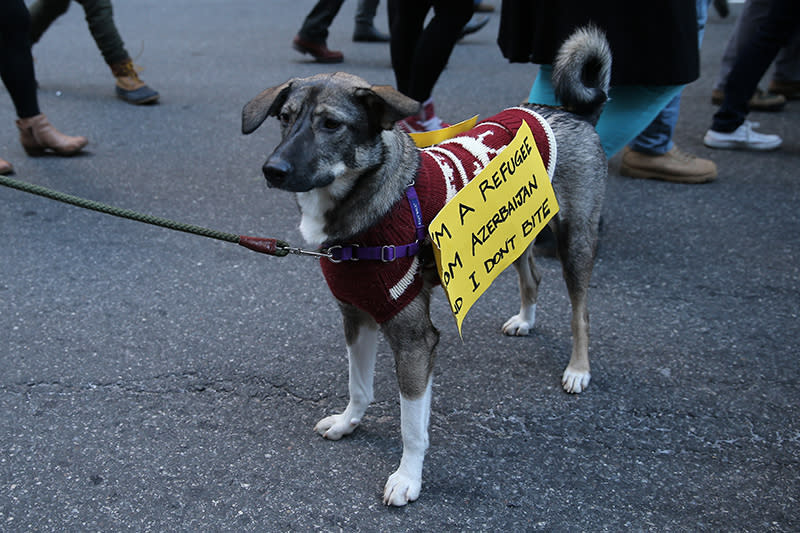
<point>742,138</point>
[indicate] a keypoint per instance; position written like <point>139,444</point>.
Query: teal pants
<point>628,111</point>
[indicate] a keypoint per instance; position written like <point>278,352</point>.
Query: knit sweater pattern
<point>382,289</point>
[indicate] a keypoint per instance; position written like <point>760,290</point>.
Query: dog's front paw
<point>335,427</point>
<point>575,381</point>
<point>522,323</point>
<point>401,488</point>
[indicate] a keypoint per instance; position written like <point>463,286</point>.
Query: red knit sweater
<point>383,289</point>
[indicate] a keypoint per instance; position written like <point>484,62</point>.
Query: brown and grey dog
<point>350,168</point>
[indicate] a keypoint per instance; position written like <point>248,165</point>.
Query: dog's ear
<point>386,105</point>
<point>266,104</point>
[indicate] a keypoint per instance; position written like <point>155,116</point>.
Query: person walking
<point>100,17</point>
<point>37,135</point>
<point>730,128</point>
<point>312,38</point>
<point>653,44</point>
<point>420,51</point>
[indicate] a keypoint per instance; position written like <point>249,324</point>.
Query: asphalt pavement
<point>159,381</point>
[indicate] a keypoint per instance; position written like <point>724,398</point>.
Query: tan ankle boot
<point>37,135</point>
<point>5,167</point>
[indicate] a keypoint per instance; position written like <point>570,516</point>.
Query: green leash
<point>263,245</point>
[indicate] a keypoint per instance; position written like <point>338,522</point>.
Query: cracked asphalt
<point>158,381</point>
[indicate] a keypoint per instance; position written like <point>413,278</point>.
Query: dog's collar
<point>388,252</point>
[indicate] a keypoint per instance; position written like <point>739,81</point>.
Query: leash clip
<point>300,251</point>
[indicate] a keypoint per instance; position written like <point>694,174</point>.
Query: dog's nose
<point>276,170</point>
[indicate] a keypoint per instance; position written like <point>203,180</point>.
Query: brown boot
<point>675,166</point>
<point>5,167</point>
<point>760,101</point>
<point>789,89</point>
<point>37,135</point>
<point>129,87</point>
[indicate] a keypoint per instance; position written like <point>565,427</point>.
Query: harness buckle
<point>388,253</point>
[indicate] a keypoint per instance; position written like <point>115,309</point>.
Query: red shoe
<point>425,120</point>
<point>320,52</point>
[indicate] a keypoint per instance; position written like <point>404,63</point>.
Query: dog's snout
<point>276,171</point>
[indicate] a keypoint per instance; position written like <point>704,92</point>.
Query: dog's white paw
<point>401,488</point>
<point>575,381</point>
<point>517,326</point>
<point>522,323</point>
<point>335,427</point>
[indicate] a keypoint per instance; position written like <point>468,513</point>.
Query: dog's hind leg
<point>529,278</point>
<point>413,340</point>
<point>577,251</point>
<point>361,334</point>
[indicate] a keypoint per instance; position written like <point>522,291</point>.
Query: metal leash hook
<point>310,253</point>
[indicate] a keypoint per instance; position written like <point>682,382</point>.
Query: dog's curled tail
<point>582,72</point>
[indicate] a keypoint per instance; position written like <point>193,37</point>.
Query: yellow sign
<point>491,221</point>
<point>429,138</point>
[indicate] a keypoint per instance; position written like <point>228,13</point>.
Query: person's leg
<point>43,13</point>
<point>653,154</point>
<point>313,35</point>
<point>753,14</point>
<point>436,44</point>
<point>16,62</point>
<point>752,61</point>
<point>406,21</point>
<point>100,18</point>
<point>365,30</point>
<point>787,62</point>
<point>656,138</point>
<point>627,112</point>
<point>729,127</point>
<point>365,12</point>
<point>36,134</point>
<point>319,19</point>
<point>786,77</point>
<point>745,24</point>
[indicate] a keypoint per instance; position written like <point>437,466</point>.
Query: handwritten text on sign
<point>491,221</point>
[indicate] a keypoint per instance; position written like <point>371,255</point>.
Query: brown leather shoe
<point>5,167</point>
<point>320,52</point>
<point>789,89</point>
<point>675,166</point>
<point>761,101</point>
<point>37,136</point>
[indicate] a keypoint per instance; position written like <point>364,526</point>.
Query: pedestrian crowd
<point>654,45</point>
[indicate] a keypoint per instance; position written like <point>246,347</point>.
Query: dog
<point>351,167</point>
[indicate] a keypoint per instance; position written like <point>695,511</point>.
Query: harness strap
<point>388,252</point>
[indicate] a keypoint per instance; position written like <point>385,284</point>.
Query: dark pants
<point>99,16</point>
<point>316,24</point>
<point>16,62</point>
<point>752,61</point>
<point>420,53</point>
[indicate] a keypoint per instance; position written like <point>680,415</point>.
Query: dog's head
<point>330,126</point>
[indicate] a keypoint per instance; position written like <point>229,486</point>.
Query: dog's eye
<point>331,124</point>
<point>284,117</point>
